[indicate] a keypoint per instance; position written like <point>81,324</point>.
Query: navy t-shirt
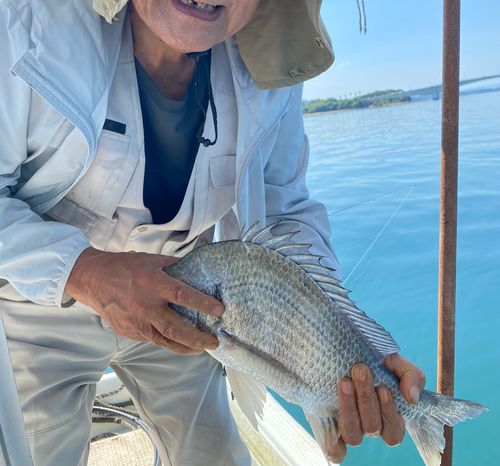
<point>170,128</point>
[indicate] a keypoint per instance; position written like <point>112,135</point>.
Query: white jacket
<point>58,84</point>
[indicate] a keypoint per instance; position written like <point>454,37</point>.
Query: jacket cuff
<point>61,298</point>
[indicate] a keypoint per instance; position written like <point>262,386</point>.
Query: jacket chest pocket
<point>221,192</point>
<point>103,185</point>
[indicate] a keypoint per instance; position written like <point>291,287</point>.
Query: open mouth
<point>199,10</point>
<point>200,6</point>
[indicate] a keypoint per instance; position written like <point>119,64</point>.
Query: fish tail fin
<point>326,431</point>
<point>426,428</point>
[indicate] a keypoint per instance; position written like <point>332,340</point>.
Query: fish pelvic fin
<point>249,394</point>
<point>426,428</point>
<point>326,431</point>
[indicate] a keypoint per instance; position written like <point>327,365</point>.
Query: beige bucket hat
<point>284,44</point>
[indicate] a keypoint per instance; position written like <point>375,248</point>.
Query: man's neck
<point>169,69</point>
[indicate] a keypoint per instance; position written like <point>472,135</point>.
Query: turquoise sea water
<point>361,154</point>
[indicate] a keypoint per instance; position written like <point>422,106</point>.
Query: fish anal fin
<point>326,431</point>
<point>249,394</point>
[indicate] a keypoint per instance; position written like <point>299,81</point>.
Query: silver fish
<point>290,326</point>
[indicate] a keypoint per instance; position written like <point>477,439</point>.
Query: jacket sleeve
<point>36,256</point>
<point>286,194</point>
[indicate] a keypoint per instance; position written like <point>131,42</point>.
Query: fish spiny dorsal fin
<point>265,238</point>
<point>378,337</point>
<point>293,248</point>
<point>245,235</point>
<point>274,241</point>
<point>263,234</point>
<point>303,259</point>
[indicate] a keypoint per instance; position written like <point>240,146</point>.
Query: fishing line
<point>368,200</point>
<point>378,236</point>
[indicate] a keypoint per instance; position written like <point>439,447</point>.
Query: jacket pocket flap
<point>112,148</point>
<point>223,170</point>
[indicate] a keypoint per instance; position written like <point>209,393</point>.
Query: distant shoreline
<point>350,109</point>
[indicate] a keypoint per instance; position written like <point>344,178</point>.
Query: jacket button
<point>131,251</point>
<point>142,229</point>
<point>204,241</point>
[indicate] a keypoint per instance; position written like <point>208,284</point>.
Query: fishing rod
<point>369,200</point>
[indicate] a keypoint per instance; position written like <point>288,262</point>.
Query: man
<point>117,137</point>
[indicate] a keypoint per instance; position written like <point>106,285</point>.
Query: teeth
<point>199,5</point>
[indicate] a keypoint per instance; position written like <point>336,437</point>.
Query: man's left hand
<point>365,410</point>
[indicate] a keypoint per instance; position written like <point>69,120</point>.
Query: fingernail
<point>414,394</point>
<point>373,434</point>
<point>360,373</point>
<point>218,311</point>
<point>384,396</point>
<point>346,387</point>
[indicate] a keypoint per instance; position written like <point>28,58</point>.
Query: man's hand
<point>370,412</point>
<point>131,293</point>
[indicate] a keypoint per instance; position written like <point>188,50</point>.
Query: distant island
<point>332,104</point>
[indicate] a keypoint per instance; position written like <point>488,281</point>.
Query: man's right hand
<point>131,293</point>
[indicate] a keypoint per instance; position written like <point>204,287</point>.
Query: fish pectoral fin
<point>249,394</point>
<point>326,430</point>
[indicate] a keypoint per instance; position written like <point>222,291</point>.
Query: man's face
<point>188,26</point>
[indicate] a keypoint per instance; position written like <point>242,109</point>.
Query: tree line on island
<point>331,104</point>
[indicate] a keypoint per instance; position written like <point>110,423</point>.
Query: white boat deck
<point>280,441</point>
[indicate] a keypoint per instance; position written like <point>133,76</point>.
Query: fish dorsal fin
<point>245,235</point>
<point>378,337</point>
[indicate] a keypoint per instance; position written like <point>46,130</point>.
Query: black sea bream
<point>291,327</point>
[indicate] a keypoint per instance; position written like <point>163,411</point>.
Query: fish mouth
<point>200,10</point>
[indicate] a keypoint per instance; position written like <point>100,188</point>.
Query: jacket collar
<point>264,106</point>
<point>68,64</point>
<point>73,60</point>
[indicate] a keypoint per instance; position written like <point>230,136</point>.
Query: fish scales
<point>282,329</point>
<point>260,288</point>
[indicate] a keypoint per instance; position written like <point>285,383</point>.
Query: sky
<point>403,45</point>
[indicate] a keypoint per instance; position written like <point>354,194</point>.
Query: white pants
<point>59,355</point>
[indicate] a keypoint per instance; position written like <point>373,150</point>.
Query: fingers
<point>367,401</point>
<point>393,430</point>
<point>412,378</point>
<point>366,411</point>
<point>134,298</point>
<point>178,292</point>
<point>359,412</point>
<point>336,454</point>
<point>349,422</point>
<point>170,329</point>
<point>159,340</point>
